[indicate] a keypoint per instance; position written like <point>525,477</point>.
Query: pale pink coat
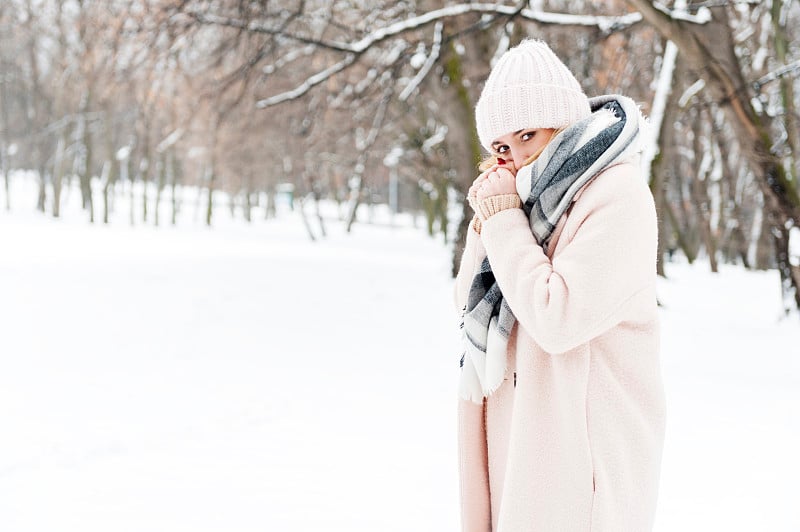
<point>572,439</point>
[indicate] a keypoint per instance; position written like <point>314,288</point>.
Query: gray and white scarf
<point>547,186</point>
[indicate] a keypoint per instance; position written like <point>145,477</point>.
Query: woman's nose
<point>514,162</point>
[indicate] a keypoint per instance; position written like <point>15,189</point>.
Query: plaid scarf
<point>547,186</point>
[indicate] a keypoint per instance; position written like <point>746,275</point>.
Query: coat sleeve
<point>471,259</point>
<point>593,282</point>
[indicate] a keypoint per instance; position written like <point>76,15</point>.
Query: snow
<point>732,371</point>
<point>243,378</point>
<point>794,246</point>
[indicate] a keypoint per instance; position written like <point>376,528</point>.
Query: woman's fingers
<point>505,173</point>
<point>485,173</point>
<point>489,182</point>
<point>501,181</point>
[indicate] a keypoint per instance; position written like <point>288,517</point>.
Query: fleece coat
<point>571,441</point>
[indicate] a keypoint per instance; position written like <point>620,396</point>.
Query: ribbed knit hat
<point>529,87</point>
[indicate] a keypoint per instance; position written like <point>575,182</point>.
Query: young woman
<point>561,417</point>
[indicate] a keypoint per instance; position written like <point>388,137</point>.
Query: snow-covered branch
<point>604,23</point>
<point>776,74</point>
<point>170,140</point>
<point>702,16</point>
<point>288,58</point>
<point>437,138</point>
<point>308,84</point>
<point>690,92</point>
<point>429,62</point>
<point>355,49</point>
<point>724,3</point>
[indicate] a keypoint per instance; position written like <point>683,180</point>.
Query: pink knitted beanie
<point>529,87</point>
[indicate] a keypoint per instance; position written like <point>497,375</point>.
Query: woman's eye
<point>502,149</point>
<point>528,135</point>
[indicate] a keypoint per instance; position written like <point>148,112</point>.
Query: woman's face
<point>512,149</point>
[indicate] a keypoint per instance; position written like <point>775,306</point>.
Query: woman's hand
<point>495,181</point>
<point>472,193</point>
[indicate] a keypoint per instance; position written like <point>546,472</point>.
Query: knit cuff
<point>476,224</point>
<point>494,204</point>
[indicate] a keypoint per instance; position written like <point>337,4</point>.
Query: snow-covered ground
<point>243,378</point>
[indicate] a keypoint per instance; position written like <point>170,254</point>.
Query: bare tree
<point>707,46</point>
<point>248,97</point>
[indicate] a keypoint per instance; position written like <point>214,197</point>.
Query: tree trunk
<point>738,240</point>
<point>126,169</point>
<point>304,217</point>
<point>247,201</point>
<point>787,93</point>
<point>269,210</point>
<point>440,207</point>
<point>58,171</point>
<point>356,192</point>
<point>41,198</point>
<point>4,164</point>
<point>105,177</point>
<point>109,167</point>
<point>5,143</point>
<point>36,111</point>
<point>682,220</point>
<point>659,197</point>
<point>175,172</point>
<point>764,244</point>
<point>699,191</point>
<point>144,177</point>
<point>210,178</point>
<point>212,166</point>
<point>354,202</point>
<point>318,211</point>
<point>659,174</point>
<point>161,173</point>
<point>464,119</point>
<point>84,162</point>
<point>461,236</point>
<point>247,207</point>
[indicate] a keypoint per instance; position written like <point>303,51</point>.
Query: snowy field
<point>246,379</point>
